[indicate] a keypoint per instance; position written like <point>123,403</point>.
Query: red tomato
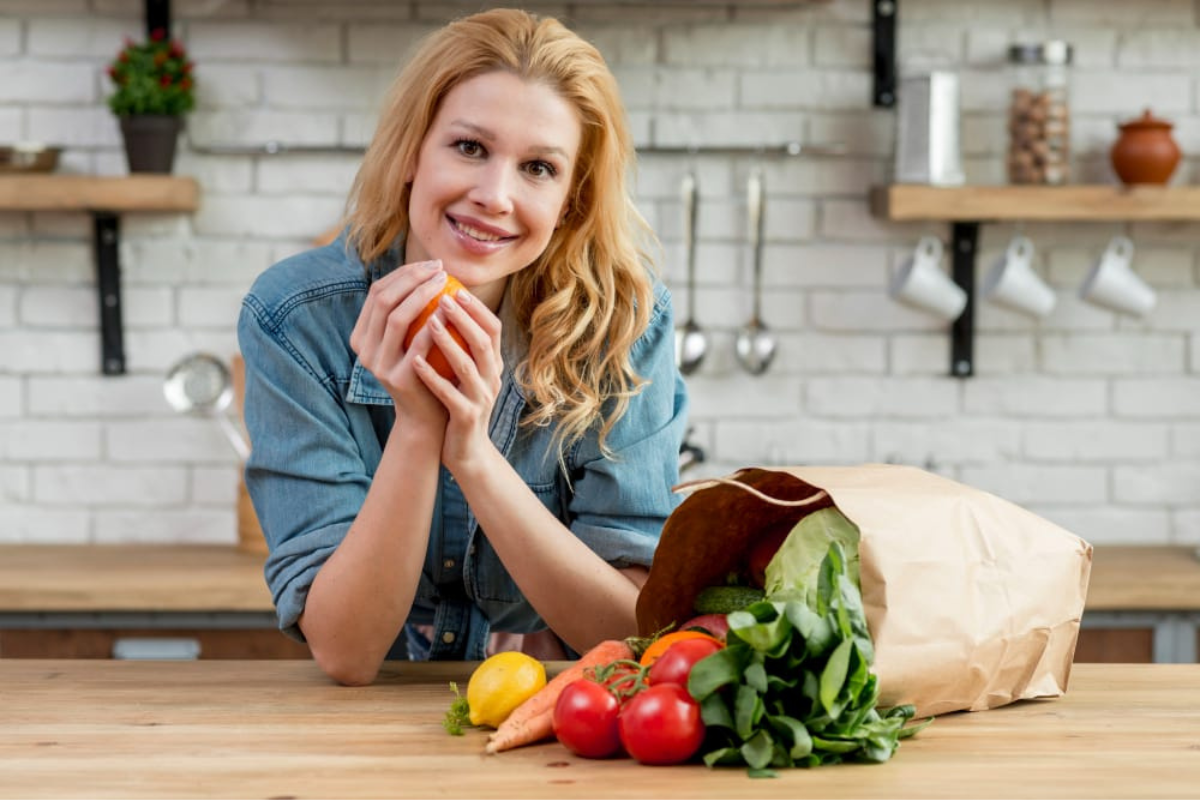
<point>585,719</point>
<point>660,645</point>
<point>624,681</point>
<point>675,665</point>
<point>661,725</point>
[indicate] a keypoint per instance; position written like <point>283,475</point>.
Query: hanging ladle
<point>755,344</point>
<point>200,384</point>
<point>690,342</point>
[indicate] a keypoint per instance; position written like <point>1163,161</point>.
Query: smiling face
<point>492,179</point>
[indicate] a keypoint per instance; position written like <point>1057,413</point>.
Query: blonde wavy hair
<point>589,296</point>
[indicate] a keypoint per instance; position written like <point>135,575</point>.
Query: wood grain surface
<point>98,193</point>
<point>197,578</point>
<point>1144,579</point>
<point>281,729</point>
<point>909,202</point>
<point>131,578</point>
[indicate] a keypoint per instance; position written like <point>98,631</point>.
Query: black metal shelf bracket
<point>106,242</point>
<point>883,14</point>
<point>158,16</point>
<point>964,244</point>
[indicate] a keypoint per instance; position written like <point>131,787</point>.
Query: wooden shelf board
<point>1102,203</point>
<point>97,193</point>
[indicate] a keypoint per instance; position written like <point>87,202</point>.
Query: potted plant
<point>155,87</point>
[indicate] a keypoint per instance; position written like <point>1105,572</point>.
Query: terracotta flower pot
<point>1145,152</point>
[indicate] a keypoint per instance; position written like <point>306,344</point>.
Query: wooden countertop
<point>1144,579</point>
<point>281,729</point>
<point>131,578</point>
<point>207,578</point>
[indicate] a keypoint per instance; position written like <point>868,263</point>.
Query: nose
<point>493,188</point>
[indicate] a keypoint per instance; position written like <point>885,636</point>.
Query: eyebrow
<point>487,135</point>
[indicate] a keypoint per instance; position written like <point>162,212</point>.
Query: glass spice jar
<point>1039,114</point>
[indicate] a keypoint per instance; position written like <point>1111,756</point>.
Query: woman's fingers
<point>478,327</point>
<point>392,303</point>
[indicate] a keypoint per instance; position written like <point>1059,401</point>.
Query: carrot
<point>533,720</point>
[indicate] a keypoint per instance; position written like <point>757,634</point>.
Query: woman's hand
<point>393,303</point>
<point>469,401</point>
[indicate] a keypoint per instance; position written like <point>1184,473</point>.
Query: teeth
<point>475,233</point>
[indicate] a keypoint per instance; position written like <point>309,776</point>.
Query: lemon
<point>500,684</point>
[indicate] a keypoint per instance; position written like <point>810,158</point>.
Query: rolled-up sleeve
<point>619,504</point>
<point>305,474</point>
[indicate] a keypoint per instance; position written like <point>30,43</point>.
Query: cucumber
<point>725,599</point>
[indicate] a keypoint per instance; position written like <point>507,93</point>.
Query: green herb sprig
<point>459,714</point>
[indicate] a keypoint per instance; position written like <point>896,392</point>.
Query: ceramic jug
<point>1145,152</point>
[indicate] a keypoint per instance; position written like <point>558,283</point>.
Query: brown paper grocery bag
<point>972,601</point>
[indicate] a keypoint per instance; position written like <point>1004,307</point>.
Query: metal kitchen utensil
<point>755,344</point>
<point>690,341</point>
<point>200,385</point>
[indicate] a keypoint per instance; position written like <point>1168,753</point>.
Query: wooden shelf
<point>92,193</point>
<point>914,202</point>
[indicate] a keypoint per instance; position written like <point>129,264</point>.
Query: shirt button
<point>448,637</point>
<point>448,563</point>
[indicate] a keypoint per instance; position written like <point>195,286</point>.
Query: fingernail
<point>435,323</point>
<point>432,266</point>
<point>447,303</point>
<point>463,296</point>
<point>438,278</point>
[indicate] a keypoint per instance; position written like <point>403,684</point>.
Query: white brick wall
<point>1089,419</point>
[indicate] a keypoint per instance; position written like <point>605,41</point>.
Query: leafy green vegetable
<point>792,574</point>
<point>794,687</point>
<point>459,714</point>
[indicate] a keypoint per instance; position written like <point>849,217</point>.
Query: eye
<point>541,169</point>
<point>469,148</point>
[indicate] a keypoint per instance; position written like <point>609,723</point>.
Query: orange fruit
<point>660,645</point>
<point>435,358</point>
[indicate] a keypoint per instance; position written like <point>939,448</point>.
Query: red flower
<point>185,84</point>
<point>158,34</point>
<point>165,81</point>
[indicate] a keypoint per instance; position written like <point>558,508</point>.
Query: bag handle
<point>707,483</point>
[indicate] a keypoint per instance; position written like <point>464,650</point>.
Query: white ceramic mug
<point>1013,283</point>
<point>921,283</point>
<point>1113,284</point>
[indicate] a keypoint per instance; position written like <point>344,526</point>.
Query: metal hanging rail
<point>276,148</point>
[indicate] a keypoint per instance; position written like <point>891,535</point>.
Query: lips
<point>477,231</point>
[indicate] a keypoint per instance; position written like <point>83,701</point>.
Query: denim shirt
<point>318,420</point>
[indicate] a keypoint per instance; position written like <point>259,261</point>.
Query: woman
<point>527,491</point>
